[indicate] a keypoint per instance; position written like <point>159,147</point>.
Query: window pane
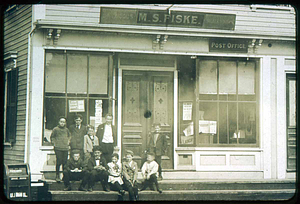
<point>247,123</point>
<point>76,106</point>
<point>232,121</point>
<point>54,108</point>
<point>227,77</point>
<point>292,103</point>
<point>77,73</point>
<point>207,123</point>
<point>55,73</point>
<point>98,74</point>
<point>223,123</point>
<point>208,77</point>
<point>246,77</point>
<point>97,111</point>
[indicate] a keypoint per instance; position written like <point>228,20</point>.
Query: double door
<point>147,98</point>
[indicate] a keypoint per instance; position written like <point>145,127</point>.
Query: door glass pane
<point>247,123</point>
<point>227,77</point>
<point>207,123</point>
<point>292,102</point>
<point>55,73</point>
<point>98,74</point>
<point>77,73</point>
<point>208,77</point>
<point>54,108</point>
<point>246,77</point>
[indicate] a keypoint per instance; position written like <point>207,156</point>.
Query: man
<point>157,145</point>
<point>77,131</point>
<point>107,137</point>
<point>97,167</point>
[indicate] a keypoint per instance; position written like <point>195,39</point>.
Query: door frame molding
<point>175,101</point>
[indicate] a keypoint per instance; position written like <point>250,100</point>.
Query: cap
<point>129,152</point>
<point>76,151</point>
<point>97,148</point>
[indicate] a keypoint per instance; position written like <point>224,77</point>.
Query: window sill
<point>46,148</point>
<point>7,144</point>
<point>251,149</point>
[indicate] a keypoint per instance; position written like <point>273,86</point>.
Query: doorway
<point>147,98</point>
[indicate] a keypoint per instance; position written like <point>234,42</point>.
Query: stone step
<point>147,195</point>
<point>200,185</point>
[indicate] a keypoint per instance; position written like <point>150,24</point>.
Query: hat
<point>129,152</point>
<point>97,148</point>
<point>151,153</point>
<point>76,151</point>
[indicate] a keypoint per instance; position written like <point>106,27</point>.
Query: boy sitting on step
<point>150,173</point>
<point>74,171</point>
<point>114,178</point>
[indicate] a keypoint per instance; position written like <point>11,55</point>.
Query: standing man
<point>77,131</point>
<point>107,137</point>
<point>158,145</point>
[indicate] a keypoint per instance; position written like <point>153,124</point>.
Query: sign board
<point>164,18</point>
<point>228,45</point>
<point>76,106</point>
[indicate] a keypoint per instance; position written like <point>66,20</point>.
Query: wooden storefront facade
<point>225,72</point>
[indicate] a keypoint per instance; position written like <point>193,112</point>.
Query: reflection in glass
<point>247,123</point>
<point>208,77</point>
<point>77,73</point>
<point>227,77</point>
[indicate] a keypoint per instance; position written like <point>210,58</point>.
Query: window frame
<point>196,101</point>
<point>67,96</point>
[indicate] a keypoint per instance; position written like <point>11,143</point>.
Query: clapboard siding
<point>17,25</point>
<point>260,21</point>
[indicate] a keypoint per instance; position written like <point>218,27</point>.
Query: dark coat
<point>60,138</point>
<point>92,162</point>
<point>161,144</point>
<point>71,164</point>
<point>77,136</point>
<point>100,132</point>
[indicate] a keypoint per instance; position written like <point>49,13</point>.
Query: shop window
<point>75,83</point>
<point>224,104</point>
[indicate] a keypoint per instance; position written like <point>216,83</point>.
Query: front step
<point>254,195</point>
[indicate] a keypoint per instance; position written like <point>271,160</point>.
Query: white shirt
<point>97,162</point>
<point>150,168</point>
<point>107,136</point>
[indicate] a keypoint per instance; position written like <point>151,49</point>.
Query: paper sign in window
<point>187,111</point>
<point>76,106</point>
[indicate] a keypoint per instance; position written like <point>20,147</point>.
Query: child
<point>97,168</point>
<point>130,172</point>
<point>90,140</point>
<point>77,130</point>
<point>74,171</point>
<point>60,138</point>
<point>115,170</point>
<point>150,173</point>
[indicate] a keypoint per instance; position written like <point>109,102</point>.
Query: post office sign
<point>228,45</point>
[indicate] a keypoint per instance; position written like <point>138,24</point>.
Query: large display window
<point>223,104</point>
<point>75,83</point>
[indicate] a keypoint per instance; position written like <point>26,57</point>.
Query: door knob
<point>147,114</point>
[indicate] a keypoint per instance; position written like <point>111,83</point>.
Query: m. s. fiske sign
<point>164,18</point>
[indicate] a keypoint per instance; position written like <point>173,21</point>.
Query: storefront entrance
<point>147,98</point>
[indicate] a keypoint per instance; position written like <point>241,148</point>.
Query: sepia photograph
<point>149,102</point>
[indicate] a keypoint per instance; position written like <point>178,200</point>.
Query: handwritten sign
<point>187,111</point>
<point>76,106</point>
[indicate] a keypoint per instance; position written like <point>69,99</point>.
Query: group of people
<point>92,158</point>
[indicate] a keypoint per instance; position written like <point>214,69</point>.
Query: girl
<point>114,178</point>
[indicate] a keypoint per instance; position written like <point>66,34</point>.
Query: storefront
<point>212,78</point>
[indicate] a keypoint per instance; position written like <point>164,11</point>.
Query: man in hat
<point>97,167</point>
<point>158,145</point>
<point>74,171</point>
<point>130,172</point>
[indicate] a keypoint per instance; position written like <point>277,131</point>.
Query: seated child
<point>150,173</point>
<point>90,140</point>
<point>115,170</point>
<point>74,171</point>
<point>97,168</point>
<point>130,172</point>
<point>60,138</point>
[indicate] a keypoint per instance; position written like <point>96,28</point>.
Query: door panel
<point>147,98</point>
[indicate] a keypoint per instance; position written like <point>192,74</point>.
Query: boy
<point>60,138</point>
<point>97,168</point>
<point>77,131</point>
<point>74,171</point>
<point>158,145</point>
<point>90,140</point>
<point>106,133</point>
<point>150,173</point>
<point>130,173</point>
